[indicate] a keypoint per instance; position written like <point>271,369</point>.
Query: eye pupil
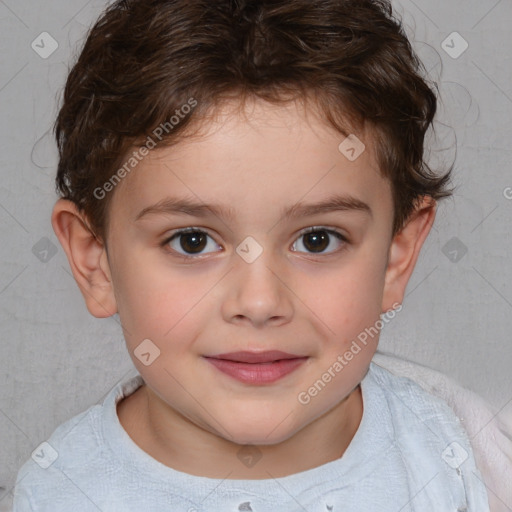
<point>193,242</point>
<point>316,241</point>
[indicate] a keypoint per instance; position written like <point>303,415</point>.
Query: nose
<point>257,293</point>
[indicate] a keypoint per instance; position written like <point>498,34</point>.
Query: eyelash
<point>306,231</point>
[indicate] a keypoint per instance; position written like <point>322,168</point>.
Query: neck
<point>181,444</point>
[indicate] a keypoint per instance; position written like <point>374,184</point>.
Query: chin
<point>259,439</point>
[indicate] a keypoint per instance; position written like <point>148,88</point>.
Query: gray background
<point>57,360</point>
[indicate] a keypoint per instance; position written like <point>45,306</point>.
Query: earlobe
<point>87,258</point>
<point>404,251</point>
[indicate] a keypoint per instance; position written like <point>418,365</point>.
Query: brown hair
<point>144,60</point>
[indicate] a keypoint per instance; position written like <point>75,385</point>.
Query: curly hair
<point>144,59</point>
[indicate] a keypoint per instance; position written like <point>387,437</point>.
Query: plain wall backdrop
<point>57,360</point>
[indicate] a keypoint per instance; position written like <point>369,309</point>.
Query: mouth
<point>257,367</point>
<point>269,356</point>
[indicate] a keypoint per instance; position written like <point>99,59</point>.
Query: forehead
<point>266,155</point>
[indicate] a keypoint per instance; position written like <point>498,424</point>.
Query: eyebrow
<point>172,205</point>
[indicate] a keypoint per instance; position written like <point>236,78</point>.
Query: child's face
<point>288,298</point>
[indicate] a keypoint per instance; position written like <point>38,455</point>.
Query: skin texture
<point>289,298</point>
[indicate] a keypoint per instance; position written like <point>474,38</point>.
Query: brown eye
<point>317,240</point>
<point>191,242</point>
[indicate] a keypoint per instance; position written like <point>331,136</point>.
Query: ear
<point>87,258</point>
<point>404,251</point>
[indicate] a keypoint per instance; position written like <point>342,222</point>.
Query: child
<point>243,182</point>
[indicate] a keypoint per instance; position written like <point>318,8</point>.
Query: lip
<point>245,356</point>
<point>257,367</point>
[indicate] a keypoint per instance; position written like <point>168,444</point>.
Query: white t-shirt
<point>410,453</point>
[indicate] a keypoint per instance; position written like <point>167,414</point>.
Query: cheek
<point>349,299</point>
<point>156,304</point>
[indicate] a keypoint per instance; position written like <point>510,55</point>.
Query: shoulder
<point>402,391</point>
<point>44,475</point>
<point>416,411</point>
<point>73,456</point>
<point>489,430</point>
<point>430,438</point>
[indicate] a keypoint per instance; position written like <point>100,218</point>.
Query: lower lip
<point>257,373</point>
